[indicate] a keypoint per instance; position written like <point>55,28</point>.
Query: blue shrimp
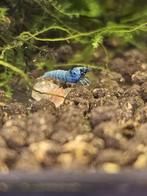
<point>74,75</point>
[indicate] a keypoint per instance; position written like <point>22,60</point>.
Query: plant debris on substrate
<point>102,126</point>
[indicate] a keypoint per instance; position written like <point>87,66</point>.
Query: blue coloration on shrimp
<point>74,75</point>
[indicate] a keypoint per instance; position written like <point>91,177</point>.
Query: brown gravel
<point>101,126</point>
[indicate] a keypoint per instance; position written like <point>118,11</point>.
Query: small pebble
<point>111,168</point>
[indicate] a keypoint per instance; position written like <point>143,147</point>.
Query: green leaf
<point>97,41</point>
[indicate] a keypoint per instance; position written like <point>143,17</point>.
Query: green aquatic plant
<point>27,27</point>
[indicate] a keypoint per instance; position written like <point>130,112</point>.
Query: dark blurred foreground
<point>74,183</point>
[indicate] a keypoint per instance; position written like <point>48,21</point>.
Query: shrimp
<point>74,75</point>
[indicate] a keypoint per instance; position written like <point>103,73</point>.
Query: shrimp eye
<point>82,72</point>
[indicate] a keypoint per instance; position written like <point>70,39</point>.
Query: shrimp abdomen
<point>56,74</point>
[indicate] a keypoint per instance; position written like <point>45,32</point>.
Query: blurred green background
<point>40,34</point>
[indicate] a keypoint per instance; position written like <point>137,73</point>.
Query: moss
<point>28,26</point>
